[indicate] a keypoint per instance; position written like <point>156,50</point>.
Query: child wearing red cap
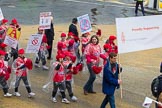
<point>3,29</point>
<point>110,41</point>
<point>105,54</point>
<point>84,40</point>
<point>70,43</point>
<point>21,72</point>
<point>42,51</point>
<point>58,78</point>
<point>69,75</point>
<point>62,44</point>
<point>4,74</point>
<point>14,24</point>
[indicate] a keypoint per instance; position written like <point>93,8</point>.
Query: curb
<point>152,11</point>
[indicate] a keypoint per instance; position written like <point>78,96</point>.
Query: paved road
<point>27,11</point>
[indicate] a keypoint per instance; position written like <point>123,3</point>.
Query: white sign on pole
<point>1,14</point>
<point>45,20</point>
<point>12,42</point>
<point>34,43</point>
<point>147,102</point>
<point>84,23</point>
<point>139,33</point>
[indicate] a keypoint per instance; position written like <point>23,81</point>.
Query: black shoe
<point>93,92</point>
<point>49,58</point>
<point>85,92</point>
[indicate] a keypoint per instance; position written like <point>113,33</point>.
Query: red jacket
<point>20,72</point>
<point>59,75</point>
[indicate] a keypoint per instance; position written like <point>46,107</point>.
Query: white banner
<point>12,42</point>
<point>139,33</point>
<point>84,23</point>
<point>34,43</point>
<point>1,15</point>
<point>45,20</point>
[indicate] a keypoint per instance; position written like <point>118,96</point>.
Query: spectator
<point>139,2</point>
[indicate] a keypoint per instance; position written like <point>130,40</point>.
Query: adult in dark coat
<point>73,29</point>
<point>50,37</point>
<point>110,80</point>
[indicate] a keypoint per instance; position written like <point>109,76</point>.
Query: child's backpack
<point>156,86</point>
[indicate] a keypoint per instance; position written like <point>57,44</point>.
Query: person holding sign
<point>16,27</point>
<point>42,51</point>
<point>73,29</point>
<point>110,80</point>
<point>50,37</point>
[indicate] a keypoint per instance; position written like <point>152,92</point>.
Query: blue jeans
<point>89,84</point>
<point>110,99</point>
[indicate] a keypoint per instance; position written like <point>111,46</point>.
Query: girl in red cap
<point>62,44</point>
<point>110,41</point>
<point>105,54</point>
<point>92,54</point>
<point>42,51</point>
<point>4,75</point>
<point>21,72</point>
<point>68,66</point>
<point>84,40</point>
<point>70,43</point>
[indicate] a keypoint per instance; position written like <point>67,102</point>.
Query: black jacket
<point>50,33</point>
<point>73,29</point>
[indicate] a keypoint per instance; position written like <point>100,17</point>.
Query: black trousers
<point>40,57</point>
<point>14,53</point>
<point>50,43</point>
<point>69,88</point>
<point>25,80</point>
<point>61,86</point>
<point>4,85</point>
<point>142,8</point>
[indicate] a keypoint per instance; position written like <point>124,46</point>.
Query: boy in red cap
<point>58,78</point>
<point>3,75</point>
<point>21,72</point>
<point>42,51</point>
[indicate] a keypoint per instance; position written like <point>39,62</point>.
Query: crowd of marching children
<point>69,60</point>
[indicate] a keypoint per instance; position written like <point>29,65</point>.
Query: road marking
<point>120,6</point>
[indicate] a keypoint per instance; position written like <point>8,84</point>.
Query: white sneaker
<point>17,94</point>
<point>36,65</point>
<point>73,98</point>
<point>7,95</point>
<point>31,94</point>
<point>45,67</point>
<point>54,100</point>
<point>64,100</point>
